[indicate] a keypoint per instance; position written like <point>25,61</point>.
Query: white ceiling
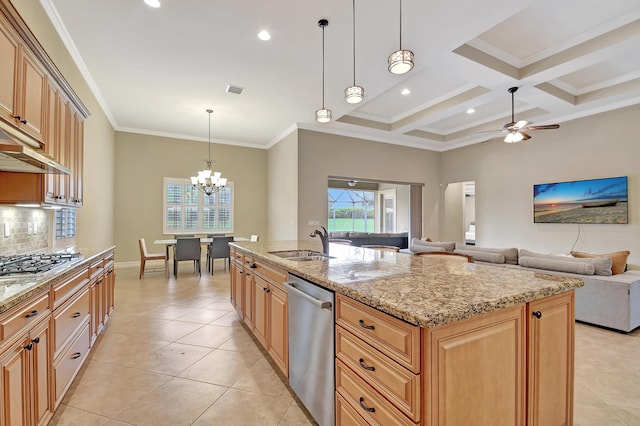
<point>155,71</point>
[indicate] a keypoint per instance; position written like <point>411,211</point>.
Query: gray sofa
<point>400,239</point>
<point>606,300</point>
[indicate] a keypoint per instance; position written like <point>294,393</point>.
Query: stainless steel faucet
<point>324,237</point>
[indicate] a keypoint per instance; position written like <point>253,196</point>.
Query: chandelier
<point>208,181</point>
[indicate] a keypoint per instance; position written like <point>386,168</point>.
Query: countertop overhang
<point>422,290</point>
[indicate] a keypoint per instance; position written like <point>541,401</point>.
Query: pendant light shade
<point>400,61</point>
<point>323,115</point>
<point>208,181</point>
<point>354,94</point>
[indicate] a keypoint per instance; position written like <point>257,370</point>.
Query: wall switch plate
<point>35,227</point>
<point>5,231</point>
<point>314,222</point>
<point>30,228</point>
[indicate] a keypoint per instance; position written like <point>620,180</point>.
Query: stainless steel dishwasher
<point>311,347</point>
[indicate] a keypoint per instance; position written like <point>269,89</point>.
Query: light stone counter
<point>421,290</point>
<point>14,290</point>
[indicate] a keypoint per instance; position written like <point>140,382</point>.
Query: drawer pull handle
<point>36,340</point>
<point>28,347</point>
<point>76,355</point>
<point>537,314</point>
<point>31,314</point>
<point>253,266</point>
<point>76,315</point>
<point>368,327</point>
<point>369,409</point>
<point>365,366</point>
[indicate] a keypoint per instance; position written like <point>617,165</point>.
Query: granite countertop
<point>14,290</point>
<point>421,290</point>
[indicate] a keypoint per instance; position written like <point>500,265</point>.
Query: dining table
<point>168,242</point>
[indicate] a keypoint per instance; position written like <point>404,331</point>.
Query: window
<point>351,210</point>
<point>65,223</point>
<point>187,210</point>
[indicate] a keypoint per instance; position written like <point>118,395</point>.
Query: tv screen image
<point>582,201</point>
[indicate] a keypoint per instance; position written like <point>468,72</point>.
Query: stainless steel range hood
<point>17,156</point>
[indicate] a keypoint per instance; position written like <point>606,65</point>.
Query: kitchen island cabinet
<point>426,341</point>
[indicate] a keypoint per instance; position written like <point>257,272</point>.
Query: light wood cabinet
<point>261,310</point>
<point>551,360</point>
<point>278,329</point>
<point>25,385</point>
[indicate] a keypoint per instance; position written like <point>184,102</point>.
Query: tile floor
<point>175,353</point>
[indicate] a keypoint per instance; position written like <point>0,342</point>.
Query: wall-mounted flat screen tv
<point>582,201</point>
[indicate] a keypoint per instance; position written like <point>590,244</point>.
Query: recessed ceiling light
<point>264,35</point>
<point>405,91</point>
<point>152,3</point>
<point>471,111</point>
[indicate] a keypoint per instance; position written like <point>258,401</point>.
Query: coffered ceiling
<point>155,71</point>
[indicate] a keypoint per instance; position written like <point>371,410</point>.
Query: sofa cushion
<point>483,256</point>
<point>559,264</point>
<point>510,253</point>
<point>358,234</point>
<point>443,246</point>
<point>618,259</point>
<point>602,265</point>
<point>339,234</point>
<point>419,248</point>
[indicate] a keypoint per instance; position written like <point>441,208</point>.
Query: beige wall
<point>94,225</point>
<point>323,155</point>
<point>282,213</point>
<point>143,161</point>
<point>604,145</point>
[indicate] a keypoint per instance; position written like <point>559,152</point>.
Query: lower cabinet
<point>26,386</point>
<point>259,298</point>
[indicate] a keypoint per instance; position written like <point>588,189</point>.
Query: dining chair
<point>381,247</point>
<point>146,256</point>
<point>219,249</point>
<point>186,249</point>
<point>447,255</point>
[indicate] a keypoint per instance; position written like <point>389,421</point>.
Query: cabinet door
<point>233,270</point>
<point>33,88</point>
<point>51,142</point>
<point>278,329</point>
<point>41,361</point>
<point>260,303</point>
<point>14,385</point>
<point>249,289</point>
<point>476,370</point>
<point>551,352</point>
<point>239,290</point>
<point>78,169</point>
<point>9,52</point>
<point>63,116</point>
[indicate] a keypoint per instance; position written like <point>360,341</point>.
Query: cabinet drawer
<point>237,256</point>
<point>393,337</point>
<point>96,268</point>
<point>365,400</point>
<point>24,315</point>
<point>394,382</point>
<point>64,290</point>
<point>346,415</point>
<point>68,364</point>
<point>70,318</point>
<point>272,274</point>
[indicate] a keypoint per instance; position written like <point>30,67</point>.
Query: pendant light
<point>400,61</point>
<point>208,181</point>
<point>323,115</point>
<point>354,94</point>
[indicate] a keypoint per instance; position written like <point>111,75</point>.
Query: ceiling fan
<point>517,131</point>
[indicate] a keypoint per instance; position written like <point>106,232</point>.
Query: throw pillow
<point>483,256</point>
<point>559,264</point>
<point>419,248</point>
<point>444,246</point>
<point>427,239</point>
<point>618,259</point>
<point>602,265</point>
<point>510,253</point>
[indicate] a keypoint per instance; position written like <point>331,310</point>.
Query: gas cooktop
<point>29,264</point>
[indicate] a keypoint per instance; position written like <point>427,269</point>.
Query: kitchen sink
<point>301,255</point>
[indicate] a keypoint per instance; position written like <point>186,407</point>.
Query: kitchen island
<point>421,340</point>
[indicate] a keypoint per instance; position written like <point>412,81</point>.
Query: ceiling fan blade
<point>545,127</point>
<point>520,124</point>
<point>524,136</point>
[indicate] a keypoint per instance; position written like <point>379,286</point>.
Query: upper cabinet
<point>38,105</point>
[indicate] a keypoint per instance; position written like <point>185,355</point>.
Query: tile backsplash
<point>28,230</point>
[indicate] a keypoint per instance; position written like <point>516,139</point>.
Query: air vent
<point>234,89</point>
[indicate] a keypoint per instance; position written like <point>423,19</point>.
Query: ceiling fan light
<point>513,137</point>
<point>354,94</point>
<point>323,115</point>
<point>400,61</point>
<point>520,124</point>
